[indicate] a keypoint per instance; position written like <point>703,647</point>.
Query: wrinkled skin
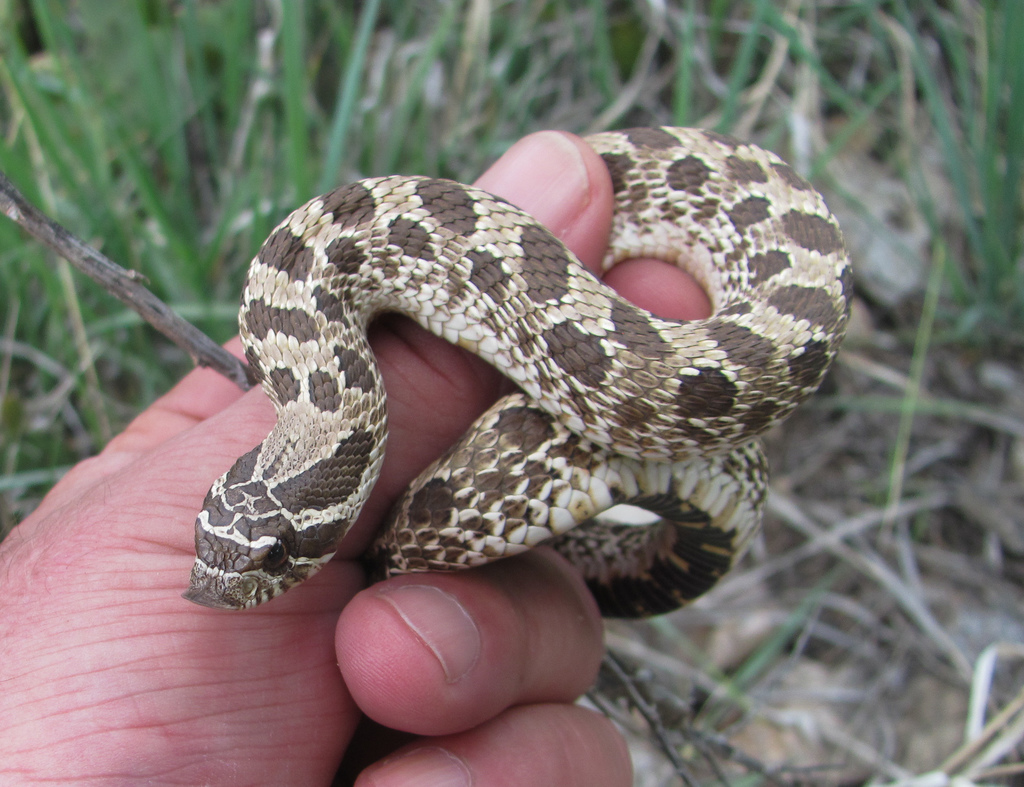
<point>107,676</point>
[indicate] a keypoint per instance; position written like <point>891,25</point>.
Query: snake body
<point>615,405</point>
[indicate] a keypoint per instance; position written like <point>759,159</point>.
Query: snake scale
<point>615,405</point>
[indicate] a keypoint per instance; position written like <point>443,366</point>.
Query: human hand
<point>108,676</point>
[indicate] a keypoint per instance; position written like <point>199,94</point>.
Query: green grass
<point>174,139</point>
<point>976,108</point>
<point>174,136</point>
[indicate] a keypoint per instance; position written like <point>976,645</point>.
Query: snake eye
<point>276,557</point>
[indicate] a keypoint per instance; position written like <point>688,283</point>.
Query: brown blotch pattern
<point>329,303</point>
<point>429,507</point>
<point>748,212</point>
<point>412,238</point>
<point>525,339</point>
<point>346,254</point>
<point>759,416</point>
<point>523,428</point>
<point>741,344</point>
<point>617,164</point>
<point>255,368</point>
<point>261,318</point>
<point>793,180</point>
<point>241,471</point>
<point>487,275</point>
<point>812,232</point>
<point>329,480</point>
<point>763,266</point>
<point>286,388</point>
<point>722,139</point>
<point>707,402</point>
<point>287,252</point>
<point>687,174</point>
<point>633,329</point>
<point>708,394</point>
<point>319,541</point>
<point>651,138</point>
<point>578,354</point>
<point>547,273</point>
<point>323,390</point>
<point>355,368</point>
<point>743,170</point>
<point>350,205</point>
<point>736,309</point>
<point>805,303</point>
<point>450,205</point>
<point>635,412</point>
<point>807,368</point>
<point>254,496</point>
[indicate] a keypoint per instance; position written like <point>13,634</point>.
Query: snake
<point>613,405</point>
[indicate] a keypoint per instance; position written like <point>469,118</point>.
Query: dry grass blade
<point>986,744</point>
<point>825,540</point>
<point>872,565</point>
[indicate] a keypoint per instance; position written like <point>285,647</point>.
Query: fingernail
<point>441,622</point>
<point>545,175</point>
<point>430,767</point>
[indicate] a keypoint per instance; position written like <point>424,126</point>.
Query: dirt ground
<point>875,632</point>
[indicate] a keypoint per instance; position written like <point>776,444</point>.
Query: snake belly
<point>615,405</point>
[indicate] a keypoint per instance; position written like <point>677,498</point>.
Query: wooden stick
<point>123,284</point>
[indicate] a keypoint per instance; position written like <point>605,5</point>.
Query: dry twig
<point>123,284</point>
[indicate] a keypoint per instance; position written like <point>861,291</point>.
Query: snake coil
<point>615,405</point>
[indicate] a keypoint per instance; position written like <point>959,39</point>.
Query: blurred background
<point>875,632</point>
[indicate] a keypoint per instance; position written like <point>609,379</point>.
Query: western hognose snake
<point>616,405</point>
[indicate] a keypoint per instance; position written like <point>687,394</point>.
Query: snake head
<point>269,571</point>
<point>267,524</point>
<point>245,557</point>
